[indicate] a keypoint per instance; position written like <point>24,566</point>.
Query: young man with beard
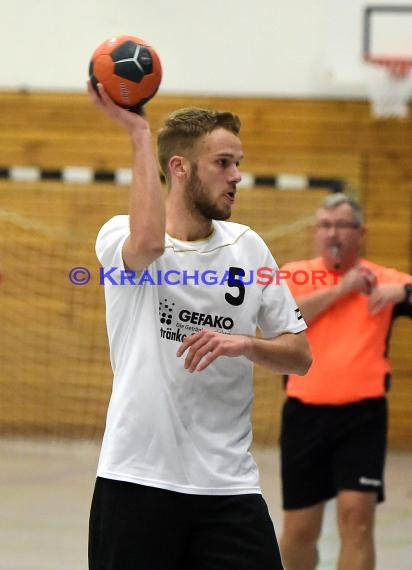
<point>177,487</point>
<point>334,421</point>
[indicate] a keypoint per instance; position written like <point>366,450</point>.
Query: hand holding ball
<point>129,70</point>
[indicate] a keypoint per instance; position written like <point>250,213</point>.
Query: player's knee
<point>304,534</point>
<point>356,521</point>
<point>299,549</point>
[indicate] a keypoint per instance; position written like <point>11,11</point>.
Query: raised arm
<point>147,196</point>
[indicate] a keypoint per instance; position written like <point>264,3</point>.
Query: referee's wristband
<point>408,293</point>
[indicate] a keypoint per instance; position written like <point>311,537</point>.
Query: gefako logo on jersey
<point>204,319</point>
<point>188,322</point>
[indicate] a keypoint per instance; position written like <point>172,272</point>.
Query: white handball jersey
<point>166,427</point>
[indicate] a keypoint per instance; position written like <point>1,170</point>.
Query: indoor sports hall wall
<point>55,376</point>
<point>293,77</point>
<point>266,48</point>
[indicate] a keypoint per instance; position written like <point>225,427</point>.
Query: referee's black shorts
<point>326,449</point>
<point>134,527</point>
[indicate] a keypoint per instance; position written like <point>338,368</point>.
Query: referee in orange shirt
<point>334,420</point>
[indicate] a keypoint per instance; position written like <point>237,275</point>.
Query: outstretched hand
<point>205,346</point>
<point>385,294</point>
<point>127,119</point>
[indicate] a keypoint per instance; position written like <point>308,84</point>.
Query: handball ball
<point>129,70</point>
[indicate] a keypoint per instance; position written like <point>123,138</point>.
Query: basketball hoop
<point>390,86</point>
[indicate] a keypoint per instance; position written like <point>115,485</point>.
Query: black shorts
<point>134,527</point>
<point>325,449</point>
